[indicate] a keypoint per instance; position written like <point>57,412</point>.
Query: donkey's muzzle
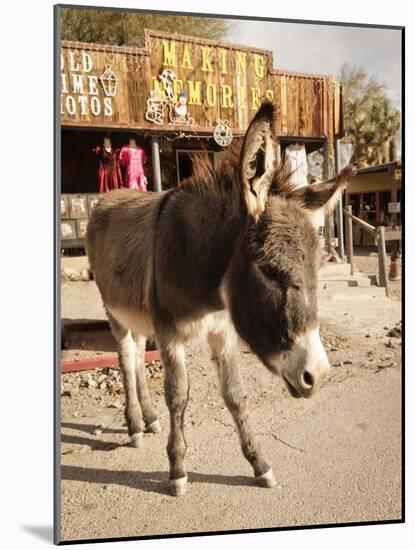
<point>307,365</point>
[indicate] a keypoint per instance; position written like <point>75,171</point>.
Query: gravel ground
<point>336,457</point>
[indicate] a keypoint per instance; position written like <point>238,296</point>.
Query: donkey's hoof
<point>178,486</point>
<point>154,427</point>
<point>267,479</point>
<point>136,439</point>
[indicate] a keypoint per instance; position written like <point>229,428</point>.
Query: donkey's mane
<point>207,181</point>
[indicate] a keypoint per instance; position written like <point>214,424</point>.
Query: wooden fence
<point>381,234</point>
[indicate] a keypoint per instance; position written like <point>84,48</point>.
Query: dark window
<point>384,200</point>
<point>368,208</point>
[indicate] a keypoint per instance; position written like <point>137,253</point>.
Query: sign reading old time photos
<point>229,223</point>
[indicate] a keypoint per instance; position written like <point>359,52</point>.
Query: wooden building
<point>125,92</point>
<point>375,195</point>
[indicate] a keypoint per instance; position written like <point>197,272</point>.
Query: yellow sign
<point>200,72</point>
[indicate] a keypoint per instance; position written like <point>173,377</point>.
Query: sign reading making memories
<point>201,82</point>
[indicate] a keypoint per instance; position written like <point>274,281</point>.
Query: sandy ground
<point>336,457</point>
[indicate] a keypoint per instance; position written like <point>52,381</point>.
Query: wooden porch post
<point>327,174</point>
<point>349,239</point>
<point>155,150</point>
<point>383,275</point>
<point>339,209</point>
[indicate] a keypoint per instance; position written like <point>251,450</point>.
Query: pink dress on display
<point>133,159</point>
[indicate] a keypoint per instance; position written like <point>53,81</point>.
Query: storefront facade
<point>176,96</point>
<point>375,195</point>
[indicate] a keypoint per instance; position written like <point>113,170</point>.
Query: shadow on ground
<point>90,428</point>
<point>153,482</point>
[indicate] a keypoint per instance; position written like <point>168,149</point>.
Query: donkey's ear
<point>258,157</point>
<point>323,196</point>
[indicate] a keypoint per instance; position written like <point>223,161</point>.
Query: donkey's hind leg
<point>126,348</point>
<point>149,414</point>
<point>222,342</point>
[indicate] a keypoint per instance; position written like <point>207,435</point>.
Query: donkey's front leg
<point>222,343</point>
<point>126,348</point>
<point>177,394</point>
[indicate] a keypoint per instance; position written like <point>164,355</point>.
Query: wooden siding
<point>221,80</point>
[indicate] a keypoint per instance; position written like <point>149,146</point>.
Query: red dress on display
<point>134,160</point>
<point>109,171</point>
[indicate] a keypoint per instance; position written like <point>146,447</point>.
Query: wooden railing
<point>380,239</point>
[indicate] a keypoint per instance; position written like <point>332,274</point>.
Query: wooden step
<point>345,282</point>
<point>334,269</point>
<point>352,292</point>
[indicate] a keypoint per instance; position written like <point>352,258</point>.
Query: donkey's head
<point>273,285</point>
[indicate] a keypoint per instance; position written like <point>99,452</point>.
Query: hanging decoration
<point>167,77</point>
<point>155,107</point>
<point>222,133</point>
<point>177,108</point>
<point>178,111</point>
<point>109,81</point>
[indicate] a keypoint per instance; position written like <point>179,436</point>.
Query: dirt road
<point>336,457</point>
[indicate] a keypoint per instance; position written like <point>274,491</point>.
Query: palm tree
<point>390,126</point>
<point>371,123</point>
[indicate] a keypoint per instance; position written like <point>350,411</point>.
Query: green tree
<point>125,28</point>
<point>371,122</point>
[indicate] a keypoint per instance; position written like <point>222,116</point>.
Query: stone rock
<point>68,274</point>
<point>115,405</point>
<point>396,332</point>
<point>85,274</point>
<point>386,366</point>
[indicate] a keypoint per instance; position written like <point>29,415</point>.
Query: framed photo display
<point>81,226</point>
<point>68,230</point>
<point>64,207</point>
<point>78,206</point>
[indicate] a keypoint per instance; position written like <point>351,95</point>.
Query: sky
<point>324,49</point>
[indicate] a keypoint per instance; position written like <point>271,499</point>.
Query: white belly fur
<point>140,324</point>
<point>135,321</point>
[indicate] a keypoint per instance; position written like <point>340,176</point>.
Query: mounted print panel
<point>230,243</point>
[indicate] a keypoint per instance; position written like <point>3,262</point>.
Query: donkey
<point>229,253</point>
